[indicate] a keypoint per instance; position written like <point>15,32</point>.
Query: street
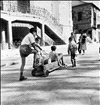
<point>78,85</point>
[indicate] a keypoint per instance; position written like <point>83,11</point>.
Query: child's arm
<point>68,49</point>
<point>38,46</point>
<point>57,58</point>
<point>34,44</point>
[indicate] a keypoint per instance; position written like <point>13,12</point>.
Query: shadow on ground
<point>63,86</point>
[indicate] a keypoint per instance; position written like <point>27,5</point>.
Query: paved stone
<point>71,86</point>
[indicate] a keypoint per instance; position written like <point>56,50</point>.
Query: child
<point>72,48</point>
<point>79,45</point>
<point>41,59</point>
<point>39,53</point>
<point>27,48</point>
<point>83,40</point>
<point>56,57</point>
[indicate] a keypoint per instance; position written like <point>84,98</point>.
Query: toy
<point>45,68</point>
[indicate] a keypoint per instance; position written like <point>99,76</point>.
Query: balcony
<point>35,11</point>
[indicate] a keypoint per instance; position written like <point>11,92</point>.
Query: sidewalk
<point>60,49</point>
<point>14,53</point>
<point>71,86</point>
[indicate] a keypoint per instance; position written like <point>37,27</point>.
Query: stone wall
<point>88,19</point>
<point>86,15</point>
<point>88,22</point>
<point>65,18</point>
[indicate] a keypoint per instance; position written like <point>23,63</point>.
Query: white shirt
<point>28,39</point>
<point>53,55</point>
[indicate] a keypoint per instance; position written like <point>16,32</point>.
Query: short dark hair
<point>53,48</point>
<point>37,39</point>
<point>70,39</point>
<point>71,33</point>
<point>32,30</point>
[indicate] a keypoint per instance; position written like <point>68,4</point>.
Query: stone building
<point>52,19</point>
<point>86,18</point>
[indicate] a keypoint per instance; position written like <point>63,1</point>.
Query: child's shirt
<point>53,56</point>
<point>37,48</point>
<point>28,39</point>
<point>38,54</point>
<point>72,47</point>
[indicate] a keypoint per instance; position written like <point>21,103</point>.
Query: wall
<point>65,18</point>
<point>61,10</point>
<point>42,4</point>
<point>85,23</point>
<point>55,9</point>
<point>10,5</point>
<point>23,6</point>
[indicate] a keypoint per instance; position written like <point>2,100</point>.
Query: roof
<point>87,4</point>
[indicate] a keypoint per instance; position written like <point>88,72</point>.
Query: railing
<point>42,12</point>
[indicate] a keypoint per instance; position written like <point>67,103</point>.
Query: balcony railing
<point>42,12</point>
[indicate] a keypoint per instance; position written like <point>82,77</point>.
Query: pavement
<point>64,86</point>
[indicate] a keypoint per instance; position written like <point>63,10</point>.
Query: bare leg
<point>60,57</point>
<point>22,69</point>
<point>62,61</point>
<point>83,51</point>
<point>72,61</point>
<point>34,58</point>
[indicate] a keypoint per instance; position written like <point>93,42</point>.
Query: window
<point>79,16</point>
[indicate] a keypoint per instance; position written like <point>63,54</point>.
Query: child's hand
<point>43,50</point>
<point>68,53</point>
<point>34,51</point>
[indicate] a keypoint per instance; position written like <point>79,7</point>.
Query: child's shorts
<point>73,56</point>
<point>25,50</point>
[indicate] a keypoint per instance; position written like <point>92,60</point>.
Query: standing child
<point>27,47</point>
<point>72,48</point>
<point>83,41</point>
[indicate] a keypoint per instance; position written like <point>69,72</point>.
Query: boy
<point>26,46</point>
<point>72,48</point>
<point>56,57</point>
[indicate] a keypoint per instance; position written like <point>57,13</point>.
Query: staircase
<point>52,28</point>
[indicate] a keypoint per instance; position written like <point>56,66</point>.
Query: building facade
<point>86,18</point>
<point>52,19</point>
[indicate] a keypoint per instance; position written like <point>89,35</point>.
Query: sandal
<point>22,78</point>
